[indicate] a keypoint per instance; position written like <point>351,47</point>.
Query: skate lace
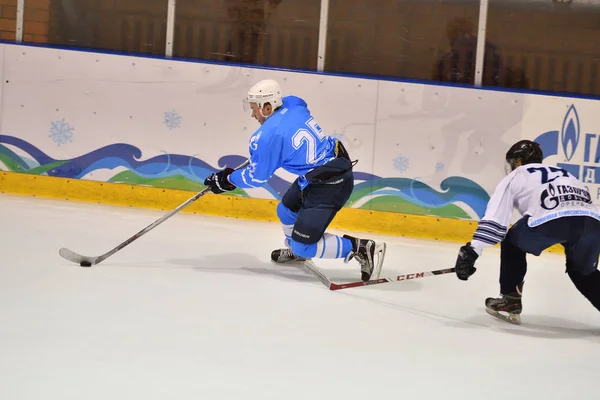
<point>285,254</point>
<point>361,260</point>
<point>288,254</point>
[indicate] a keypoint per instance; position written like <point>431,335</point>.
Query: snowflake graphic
<point>172,120</point>
<point>439,167</point>
<point>401,163</point>
<point>61,132</point>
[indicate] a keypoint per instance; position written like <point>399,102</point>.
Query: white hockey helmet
<point>265,91</point>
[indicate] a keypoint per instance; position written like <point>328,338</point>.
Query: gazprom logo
<point>569,135</point>
<point>573,149</point>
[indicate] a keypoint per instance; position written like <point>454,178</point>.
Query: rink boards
<point>145,132</point>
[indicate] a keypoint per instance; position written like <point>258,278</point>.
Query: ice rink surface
<point>195,310</point>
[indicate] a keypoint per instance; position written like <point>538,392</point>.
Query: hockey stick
<point>337,286</point>
<point>87,261</point>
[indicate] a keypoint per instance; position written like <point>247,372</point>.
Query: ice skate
<point>285,256</point>
<point>508,307</point>
<point>365,252</point>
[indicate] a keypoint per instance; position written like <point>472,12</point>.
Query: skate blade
<point>380,250</point>
<point>291,262</point>
<point>512,318</point>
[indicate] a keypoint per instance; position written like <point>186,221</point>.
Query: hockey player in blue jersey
<point>290,138</point>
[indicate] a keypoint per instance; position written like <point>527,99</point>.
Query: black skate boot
<point>509,303</point>
<point>284,256</point>
<point>365,250</point>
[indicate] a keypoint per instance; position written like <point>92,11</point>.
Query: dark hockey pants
<point>580,237</point>
<point>311,210</point>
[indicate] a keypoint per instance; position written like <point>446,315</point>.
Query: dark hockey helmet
<point>524,152</point>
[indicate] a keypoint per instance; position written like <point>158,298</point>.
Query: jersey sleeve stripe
<point>495,238</point>
<point>484,239</point>
<point>490,233</point>
<point>252,182</point>
<point>246,181</point>
<point>493,225</point>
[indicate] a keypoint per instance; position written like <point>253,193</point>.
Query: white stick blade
<point>314,270</point>
<point>74,257</point>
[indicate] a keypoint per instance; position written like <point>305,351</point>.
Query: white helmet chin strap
<point>247,107</point>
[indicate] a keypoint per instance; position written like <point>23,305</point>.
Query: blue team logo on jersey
<point>254,141</point>
<point>573,149</point>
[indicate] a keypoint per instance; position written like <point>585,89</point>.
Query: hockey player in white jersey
<point>557,209</point>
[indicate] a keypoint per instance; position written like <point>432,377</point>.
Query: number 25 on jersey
<point>313,136</point>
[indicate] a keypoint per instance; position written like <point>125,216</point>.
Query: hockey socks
<point>329,246</point>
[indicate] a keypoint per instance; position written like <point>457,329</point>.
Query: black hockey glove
<point>465,262</point>
<point>218,182</point>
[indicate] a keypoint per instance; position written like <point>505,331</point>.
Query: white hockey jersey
<point>540,191</point>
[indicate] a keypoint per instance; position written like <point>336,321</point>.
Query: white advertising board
<point>422,149</point>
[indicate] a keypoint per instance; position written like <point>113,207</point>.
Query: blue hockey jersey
<point>290,139</point>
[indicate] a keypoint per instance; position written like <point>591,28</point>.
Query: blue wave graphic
<point>128,157</point>
<point>454,189</point>
<point>35,153</point>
